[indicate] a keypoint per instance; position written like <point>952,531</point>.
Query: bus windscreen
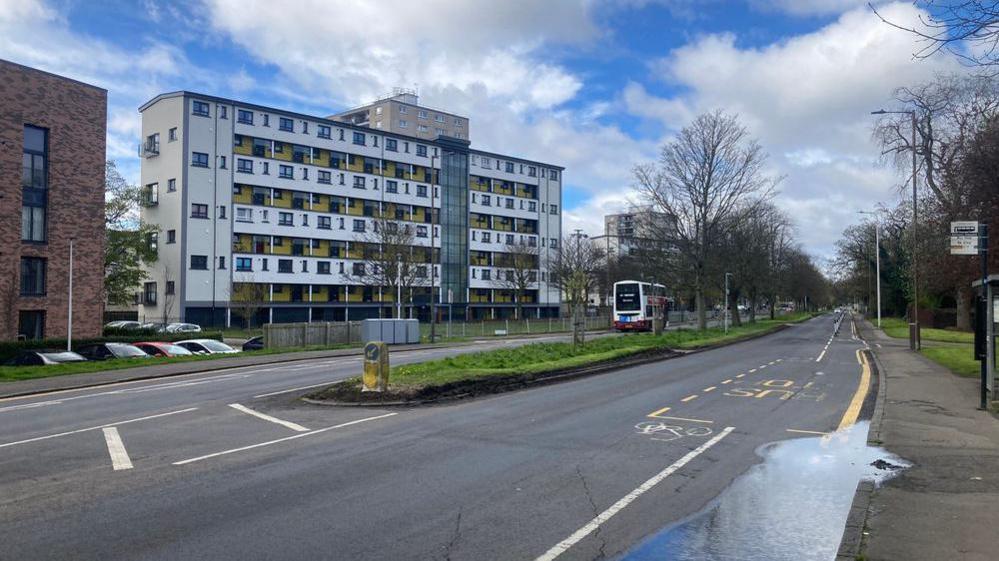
<point>626,298</point>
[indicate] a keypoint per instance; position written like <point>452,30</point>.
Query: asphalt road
<point>171,469</point>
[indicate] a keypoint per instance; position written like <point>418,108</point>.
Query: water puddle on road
<point>791,507</point>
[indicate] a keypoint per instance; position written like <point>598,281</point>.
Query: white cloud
<point>488,60</point>
<point>810,7</point>
<point>808,99</point>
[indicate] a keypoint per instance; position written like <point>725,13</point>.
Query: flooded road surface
<point>792,507</point>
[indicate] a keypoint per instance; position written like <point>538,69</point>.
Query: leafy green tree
<point>130,244</point>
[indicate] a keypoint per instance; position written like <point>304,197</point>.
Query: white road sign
<point>964,228</point>
<point>964,245</point>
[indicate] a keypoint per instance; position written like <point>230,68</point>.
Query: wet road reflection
<point>793,506</point>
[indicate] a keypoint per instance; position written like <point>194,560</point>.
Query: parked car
<point>254,343</point>
<point>183,328</point>
<point>163,349</point>
<point>206,347</point>
<point>107,351</point>
<point>123,324</point>
<point>153,326</point>
<point>43,357</point>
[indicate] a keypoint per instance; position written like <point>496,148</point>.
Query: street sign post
<point>964,238</point>
<point>972,238</point>
<point>376,367</point>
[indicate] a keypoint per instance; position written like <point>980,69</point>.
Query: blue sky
<point>595,86</point>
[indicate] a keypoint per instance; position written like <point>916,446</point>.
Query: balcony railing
<point>149,148</point>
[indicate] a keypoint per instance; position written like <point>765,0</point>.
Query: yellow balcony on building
<point>281,293</point>
<point>480,295</point>
<point>504,188</point>
<point>320,293</point>
<point>500,226</point>
<point>244,149</point>
<point>284,154</point>
<point>357,166</point>
<point>283,249</point>
<point>284,201</point>
<point>243,194</point>
<point>355,208</point>
<point>242,243</point>
<point>321,249</point>
<point>355,294</point>
<point>502,296</point>
<point>523,191</point>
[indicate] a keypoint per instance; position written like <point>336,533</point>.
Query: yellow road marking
<point>710,388</point>
<point>807,431</point>
<point>686,419</point>
<point>853,411</point>
<point>729,381</point>
<point>657,413</point>
<point>688,398</point>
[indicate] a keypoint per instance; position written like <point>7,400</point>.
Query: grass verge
<point>531,361</point>
<point>958,358</point>
<point>899,329</point>
<point>15,373</point>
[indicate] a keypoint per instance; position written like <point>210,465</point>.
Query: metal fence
<point>500,328</point>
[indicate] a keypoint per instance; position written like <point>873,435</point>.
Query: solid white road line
<point>259,415</point>
<point>606,515</point>
<point>269,442</point>
<point>116,448</point>
<point>822,354</point>
<point>46,437</point>
<point>279,392</point>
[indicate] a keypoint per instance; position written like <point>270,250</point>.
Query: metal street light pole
<point>69,319</point>
<point>877,259</point>
<point>915,342</point>
<point>727,275</point>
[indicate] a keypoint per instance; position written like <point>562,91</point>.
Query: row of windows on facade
<point>34,184</point>
<point>299,154</point>
<point>286,124</point>
<point>404,124</point>
<point>245,264</point>
<point>422,114</point>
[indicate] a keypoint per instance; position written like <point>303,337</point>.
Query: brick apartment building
<point>52,153</point>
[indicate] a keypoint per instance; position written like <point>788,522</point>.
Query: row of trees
<point>957,159</point>
<point>707,210</point>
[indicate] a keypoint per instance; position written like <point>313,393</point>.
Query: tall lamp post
<point>727,275</point>
<point>915,342</point>
<point>877,259</point>
<point>69,314</point>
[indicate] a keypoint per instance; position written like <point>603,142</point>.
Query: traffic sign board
<point>964,227</point>
<point>964,245</point>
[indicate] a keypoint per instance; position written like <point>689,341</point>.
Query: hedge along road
<point>563,471</point>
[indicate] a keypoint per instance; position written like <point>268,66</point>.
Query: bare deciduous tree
<point>392,260</point>
<point>708,173</point>
<point>575,271</point>
<point>519,264</point>
<point>968,29</point>
<point>249,298</point>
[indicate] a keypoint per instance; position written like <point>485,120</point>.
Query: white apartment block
<point>251,196</point>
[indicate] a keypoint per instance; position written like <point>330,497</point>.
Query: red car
<point>163,349</point>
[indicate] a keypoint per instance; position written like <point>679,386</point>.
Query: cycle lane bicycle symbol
<point>664,432</point>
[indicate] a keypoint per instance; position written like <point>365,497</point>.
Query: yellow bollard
<point>376,367</point>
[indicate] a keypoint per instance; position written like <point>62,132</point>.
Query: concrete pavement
<point>946,505</point>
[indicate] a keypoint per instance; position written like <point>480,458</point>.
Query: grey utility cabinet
<point>391,331</point>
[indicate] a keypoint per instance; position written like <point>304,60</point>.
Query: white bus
<point>636,303</point>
